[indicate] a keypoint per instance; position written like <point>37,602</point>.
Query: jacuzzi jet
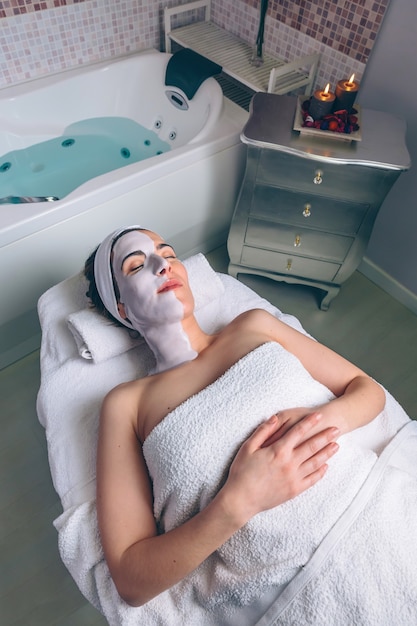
<point>67,143</point>
<point>27,199</point>
<point>158,124</point>
<point>4,167</point>
<point>172,135</point>
<point>125,152</point>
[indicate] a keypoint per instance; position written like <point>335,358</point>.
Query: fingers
<point>299,432</point>
<point>267,432</point>
<point>314,453</point>
<point>264,476</point>
<point>312,447</point>
<point>308,452</point>
<point>263,433</point>
<point>315,467</point>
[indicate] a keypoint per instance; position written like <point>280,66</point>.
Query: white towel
<point>98,338</point>
<point>188,471</point>
<point>273,546</point>
<point>379,518</point>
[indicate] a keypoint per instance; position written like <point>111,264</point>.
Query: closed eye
<point>135,268</point>
<point>133,263</point>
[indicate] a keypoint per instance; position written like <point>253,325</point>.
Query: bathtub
<point>187,193</point>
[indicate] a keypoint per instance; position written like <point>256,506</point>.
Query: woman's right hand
<point>263,476</point>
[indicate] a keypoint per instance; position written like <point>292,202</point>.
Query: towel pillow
<point>98,339</point>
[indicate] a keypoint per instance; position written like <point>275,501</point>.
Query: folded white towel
<point>98,339</point>
<point>204,281</point>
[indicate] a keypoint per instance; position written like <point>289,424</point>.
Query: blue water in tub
<point>87,149</point>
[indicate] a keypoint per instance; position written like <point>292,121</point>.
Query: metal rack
<point>234,55</point>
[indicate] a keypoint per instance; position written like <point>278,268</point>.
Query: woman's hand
<point>267,471</point>
<point>288,418</point>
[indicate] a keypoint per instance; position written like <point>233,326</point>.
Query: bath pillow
<point>187,69</point>
<point>99,339</point>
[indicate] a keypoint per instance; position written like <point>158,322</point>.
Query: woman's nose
<point>159,265</point>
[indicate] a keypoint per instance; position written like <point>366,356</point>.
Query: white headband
<point>103,273</point>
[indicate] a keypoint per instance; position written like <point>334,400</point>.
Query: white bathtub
<point>188,194</point>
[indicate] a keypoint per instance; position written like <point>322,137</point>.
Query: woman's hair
<point>92,292</point>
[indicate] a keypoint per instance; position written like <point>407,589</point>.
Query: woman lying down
<point>219,474</point>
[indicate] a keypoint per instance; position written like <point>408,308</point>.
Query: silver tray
<point>356,135</point>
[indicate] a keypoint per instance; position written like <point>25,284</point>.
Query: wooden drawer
<point>307,210</point>
<point>301,241</point>
<point>355,183</point>
<point>288,265</point>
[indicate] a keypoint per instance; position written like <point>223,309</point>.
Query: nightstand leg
<point>233,270</point>
<point>331,293</point>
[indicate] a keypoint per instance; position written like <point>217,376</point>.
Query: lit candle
<point>346,92</point>
<point>321,103</point>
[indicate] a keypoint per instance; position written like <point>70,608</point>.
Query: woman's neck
<point>172,345</point>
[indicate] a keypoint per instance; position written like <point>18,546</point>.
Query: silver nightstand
<point>307,204</point>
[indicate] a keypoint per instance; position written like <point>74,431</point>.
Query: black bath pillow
<point>187,69</point>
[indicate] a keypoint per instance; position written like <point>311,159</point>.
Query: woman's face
<point>152,282</point>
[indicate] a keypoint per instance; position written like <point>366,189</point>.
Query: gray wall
<point>390,85</point>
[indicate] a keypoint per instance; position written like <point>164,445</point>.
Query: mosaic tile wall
<point>40,42</point>
<point>38,38</point>
<point>347,26</point>
<point>286,42</point>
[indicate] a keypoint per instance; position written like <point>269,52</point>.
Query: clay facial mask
<point>147,287</point>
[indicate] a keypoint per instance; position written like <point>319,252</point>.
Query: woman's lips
<point>168,285</point>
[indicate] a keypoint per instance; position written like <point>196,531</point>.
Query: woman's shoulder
<point>252,314</point>
<point>249,330</point>
<point>127,393</point>
<point>255,319</point>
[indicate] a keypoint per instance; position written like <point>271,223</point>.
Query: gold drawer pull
<point>318,179</point>
<point>307,210</point>
<point>297,241</point>
<point>289,264</point>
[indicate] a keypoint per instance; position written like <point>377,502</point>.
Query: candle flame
<point>352,78</point>
<point>327,88</point>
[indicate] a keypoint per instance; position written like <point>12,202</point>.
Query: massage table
<point>83,356</point>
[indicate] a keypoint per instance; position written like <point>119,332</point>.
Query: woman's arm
<point>142,563</point>
<point>359,399</point>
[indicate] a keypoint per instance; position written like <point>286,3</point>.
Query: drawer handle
<point>289,265</point>
<point>307,210</point>
<point>297,241</point>
<point>318,179</point>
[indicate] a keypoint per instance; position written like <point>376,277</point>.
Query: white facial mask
<point>148,293</point>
